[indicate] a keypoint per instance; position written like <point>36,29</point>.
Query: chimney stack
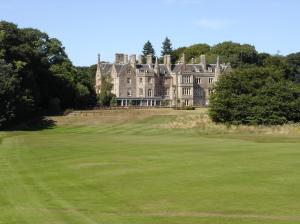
<point>218,67</point>
<point>165,59</point>
<point>183,60</point>
<point>203,62</point>
<point>126,59</point>
<point>119,58</point>
<point>149,59</point>
<point>133,60</point>
<point>156,66</point>
<point>169,61</point>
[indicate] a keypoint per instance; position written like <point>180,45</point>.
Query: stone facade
<point>154,84</point>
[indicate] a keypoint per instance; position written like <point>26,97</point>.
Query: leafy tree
<point>166,47</point>
<point>255,96</point>
<point>292,63</point>
<point>14,102</point>
<point>236,53</point>
<point>44,76</point>
<point>193,51</point>
<point>261,58</point>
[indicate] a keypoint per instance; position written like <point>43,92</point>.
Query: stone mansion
<point>154,84</point>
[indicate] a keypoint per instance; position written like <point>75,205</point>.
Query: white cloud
<point>215,24</point>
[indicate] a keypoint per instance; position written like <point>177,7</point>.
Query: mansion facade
<point>154,84</point>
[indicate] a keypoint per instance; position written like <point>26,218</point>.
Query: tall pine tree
<point>166,47</point>
<point>148,49</point>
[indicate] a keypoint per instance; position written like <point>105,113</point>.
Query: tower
<point>98,76</point>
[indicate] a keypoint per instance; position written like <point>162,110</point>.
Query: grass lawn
<point>149,166</point>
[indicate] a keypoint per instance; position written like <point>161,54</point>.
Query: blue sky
<point>87,27</point>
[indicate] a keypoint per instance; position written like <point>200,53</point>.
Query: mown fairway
<point>131,167</point>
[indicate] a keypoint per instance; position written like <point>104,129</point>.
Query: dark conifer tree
<point>166,47</point>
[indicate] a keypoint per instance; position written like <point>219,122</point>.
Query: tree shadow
<point>35,124</point>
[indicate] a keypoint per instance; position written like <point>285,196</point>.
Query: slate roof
<point>164,71</point>
<point>106,68</point>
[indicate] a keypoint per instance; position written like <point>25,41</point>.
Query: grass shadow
<point>36,124</point>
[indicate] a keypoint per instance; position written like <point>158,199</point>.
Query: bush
<point>185,108</point>
<point>255,96</point>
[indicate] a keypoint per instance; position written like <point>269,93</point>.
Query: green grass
<point>129,167</point>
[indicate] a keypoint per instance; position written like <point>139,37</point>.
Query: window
<point>186,102</point>
<point>210,80</point>
<point>149,80</point>
<point>186,79</point>
<point>128,92</point>
<point>141,92</point>
<point>210,91</point>
<point>128,80</point>
<point>149,92</point>
<point>186,91</point>
<point>141,80</point>
<point>198,80</point>
<point>129,72</point>
<point>167,90</point>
